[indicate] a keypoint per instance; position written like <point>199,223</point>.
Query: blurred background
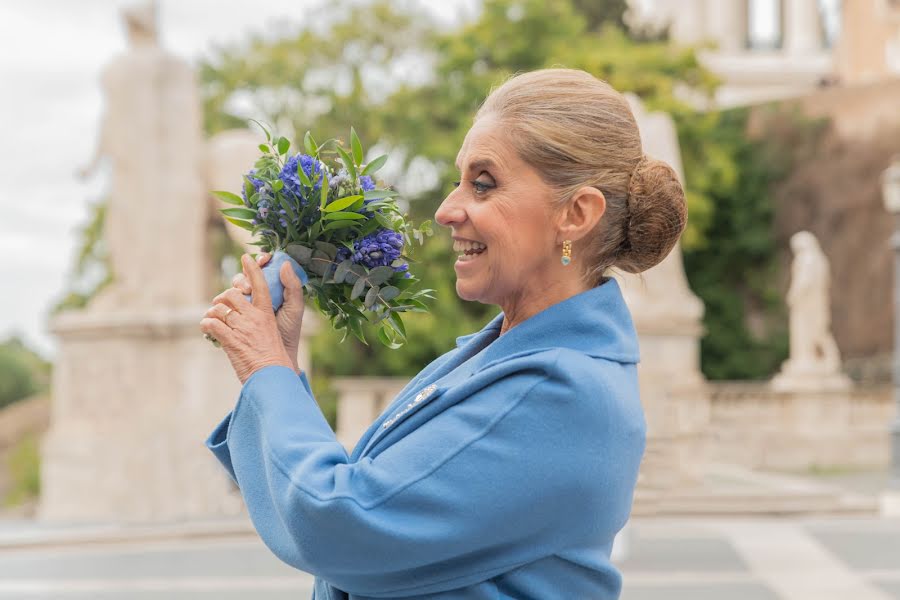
<point>766,355</point>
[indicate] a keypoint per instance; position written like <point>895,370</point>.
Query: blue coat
<point>503,470</point>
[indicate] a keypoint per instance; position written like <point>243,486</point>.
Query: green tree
<point>22,371</point>
<point>426,120</point>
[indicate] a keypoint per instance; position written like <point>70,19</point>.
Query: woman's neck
<point>528,303</point>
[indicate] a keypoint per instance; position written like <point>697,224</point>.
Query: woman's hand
<point>247,331</point>
<point>290,316</point>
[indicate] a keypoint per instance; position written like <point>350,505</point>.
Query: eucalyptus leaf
<point>342,270</point>
<point>228,198</point>
<point>371,295</point>
<point>390,292</point>
<point>283,145</point>
<point>263,127</point>
<point>263,147</point>
<point>380,275</point>
<point>277,185</point>
<point>299,252</point>
<point>358,288</point>
<point>329,249</point>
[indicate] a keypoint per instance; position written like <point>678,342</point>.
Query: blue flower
<point>366,183</point>
<point>378,249</point>
<point>257,183</point>
<point>312,167</point>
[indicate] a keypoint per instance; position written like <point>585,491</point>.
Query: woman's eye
<point>456,183</point>
<point>481,187</point>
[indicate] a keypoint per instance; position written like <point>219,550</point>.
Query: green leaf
<point>341,203</point>
<point>371,295</point>
<point>374,165</point>
<point>384,339</point>
<point>348,162</point>
<point>330,250</point>
<point>249,188</point>
<point>277,185</point>
<point>299,252</point>
<point>342,270</point>
<point>310,144</point>
<point>383,221</point>
<point>342,215</point>
<point>324,192</point>
<point>242,224</point>
<point>389,293</point>
<point>319,263</point>
<point>356,328</point>
<point>283,144</point>
<point>228,198</point>
<point>380,194</point>
<point>304,178</point>
<point>356,145</point>
<point>241,213</point>
<point>358,204</point>
<point>398,323</point>
<point>380,275</point>
<point>264,148</point>
<point>358,288</point>
<point>340,224</point>
<point>263,127</point>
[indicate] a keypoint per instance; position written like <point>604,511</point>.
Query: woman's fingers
<point>263,258</point>
<point>240,282</point>
<point>233,297</point>
<point>261,298</point>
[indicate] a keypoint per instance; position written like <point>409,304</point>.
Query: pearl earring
<point>567,253</point>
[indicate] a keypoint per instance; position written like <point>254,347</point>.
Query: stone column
<point>668,317</point>
<point>360,401</point>
<point>802,27</point>
<point>726,24</point>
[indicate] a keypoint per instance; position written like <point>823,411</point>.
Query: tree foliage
<point>316,79</point>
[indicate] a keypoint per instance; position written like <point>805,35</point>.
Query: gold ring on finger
<point>225,316</point>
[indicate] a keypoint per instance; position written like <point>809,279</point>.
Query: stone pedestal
<point>360,401</point>
<point>134,397</point>
<point>668,317</point>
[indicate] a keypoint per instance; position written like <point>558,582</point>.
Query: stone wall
<point>754,427</point>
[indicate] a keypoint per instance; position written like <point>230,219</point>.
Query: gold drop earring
<point>567,253</point>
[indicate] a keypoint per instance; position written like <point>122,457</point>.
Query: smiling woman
<point>507,466</point>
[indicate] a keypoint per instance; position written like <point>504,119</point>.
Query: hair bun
<point>657,216</point>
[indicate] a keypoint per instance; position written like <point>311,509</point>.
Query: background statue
<point>156,214</point>
<point>815,360</point>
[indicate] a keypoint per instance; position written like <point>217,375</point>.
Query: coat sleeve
<point>479,490</point>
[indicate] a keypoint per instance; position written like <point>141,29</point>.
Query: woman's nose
<point>450,211</point>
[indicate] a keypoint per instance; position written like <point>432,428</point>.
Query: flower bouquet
<point>345,236</point>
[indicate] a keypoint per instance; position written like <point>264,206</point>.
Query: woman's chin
<point>466,291</point>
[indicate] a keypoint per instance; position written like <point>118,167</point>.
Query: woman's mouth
<point>469,251</point>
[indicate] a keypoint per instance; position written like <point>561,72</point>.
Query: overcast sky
<point>51,54</point>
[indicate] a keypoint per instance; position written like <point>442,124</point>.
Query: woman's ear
<point>582,213</point>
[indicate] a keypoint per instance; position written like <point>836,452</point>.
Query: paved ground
<point>671,559</point>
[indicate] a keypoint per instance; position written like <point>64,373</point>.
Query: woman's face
<point>502,203</point>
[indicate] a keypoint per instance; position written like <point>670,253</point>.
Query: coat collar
<point>596,322</point>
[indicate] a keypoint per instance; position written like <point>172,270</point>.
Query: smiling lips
<point>468,250</point>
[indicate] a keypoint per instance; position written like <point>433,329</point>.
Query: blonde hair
<point>577,131</point>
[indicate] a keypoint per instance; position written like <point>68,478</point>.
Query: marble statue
<point>156,209</point>
<point>814,362</point>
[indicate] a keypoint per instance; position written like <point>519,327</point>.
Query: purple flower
<point>378,249</point>
<point>312,167</point>
<point>366,183</point>
<point>257,183</point>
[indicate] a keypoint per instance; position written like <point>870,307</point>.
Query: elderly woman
<point>506,467</point>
